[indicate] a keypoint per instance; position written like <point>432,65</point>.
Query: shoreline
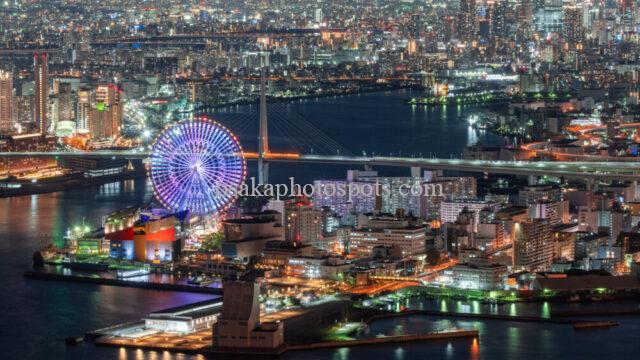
<point>435,336</point>
<point>57,185</point>
<point>278,99</point>
<point>30,274</point>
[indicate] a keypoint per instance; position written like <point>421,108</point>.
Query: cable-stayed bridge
<point>310,145</point>
<point>576,170</point>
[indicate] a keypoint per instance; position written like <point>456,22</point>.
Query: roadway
<point>594,170</point>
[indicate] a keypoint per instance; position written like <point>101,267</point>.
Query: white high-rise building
<point>318,16</point>
<point>83,110</point>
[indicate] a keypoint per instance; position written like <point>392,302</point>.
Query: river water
<point>38,314</point>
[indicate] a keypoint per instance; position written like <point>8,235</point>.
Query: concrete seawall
<point>388,340</point>
<point>123,283</point>
<point>577,323</point>
<point>490,316</point>
<point>596,312</point>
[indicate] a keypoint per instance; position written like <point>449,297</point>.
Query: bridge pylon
<point>263,133</point>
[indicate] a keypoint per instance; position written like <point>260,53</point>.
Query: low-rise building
<point>411,240</point>
<point>185,319</point>
<point>331,268</point>
<point>479,274</point>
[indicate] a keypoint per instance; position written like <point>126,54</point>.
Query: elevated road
<point>578,169</point>
<point>594,170</point>
<point>199,39</point>
<point>6,52</point>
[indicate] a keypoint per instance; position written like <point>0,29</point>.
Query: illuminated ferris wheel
<point>196,165</point>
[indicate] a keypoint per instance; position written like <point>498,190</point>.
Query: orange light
<point>475,349</point>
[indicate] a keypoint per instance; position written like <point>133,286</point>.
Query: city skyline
<point>320,179</point>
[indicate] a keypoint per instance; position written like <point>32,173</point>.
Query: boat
<point>574,298</point>
<point>73,340</point>
<point>123,274</point>
<point>206,281</point>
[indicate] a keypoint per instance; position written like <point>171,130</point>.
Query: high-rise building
<point>499,25</point>
<point>303,223</point>
<point>106,118</point>
<point>572,29</point>
<point>23,111</point>
<point>467,20</point>
<point>533,245</point>
<point>395,198</point>
<point>318,16</point>
<point>549,18</point>
<point>41,79</point>
<point>556,212</point>
<point>6,101</point>
<point>83,110</point>
<point>65,111</point>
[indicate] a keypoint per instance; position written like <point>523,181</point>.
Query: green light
<point>100,106</point>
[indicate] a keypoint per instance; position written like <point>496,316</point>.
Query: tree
<point>212,242</point>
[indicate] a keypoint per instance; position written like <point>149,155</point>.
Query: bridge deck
<point>606,170</point>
